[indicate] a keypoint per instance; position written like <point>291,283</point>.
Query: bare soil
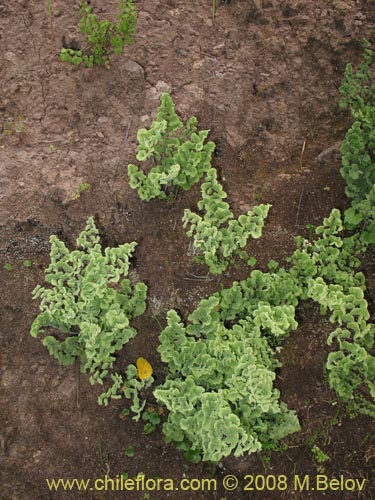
<point>264,77</point>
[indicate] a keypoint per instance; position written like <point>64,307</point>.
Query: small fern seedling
<point>104,38</point>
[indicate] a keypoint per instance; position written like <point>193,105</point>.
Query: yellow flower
<point>144,368</point>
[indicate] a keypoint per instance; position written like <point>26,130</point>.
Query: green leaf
<point>149,428</point>
<point>252,261</point>
<point>130,451</point>
<point>368,236</point>
<point>352,217</point>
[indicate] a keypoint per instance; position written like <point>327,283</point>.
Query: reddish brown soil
<point>264,77</point>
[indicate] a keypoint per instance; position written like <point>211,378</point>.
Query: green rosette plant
<point>89,301</point>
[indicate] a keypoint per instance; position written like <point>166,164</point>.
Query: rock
<point>69,41</point>
<point>182,53</point>
<point>284,176</point>
<point>58,12</point>
<point>329,152</point>
<point>340,5</point>
<point>162,86</point>
<point>188,30</point>
<point>245,207</point>
<point>102,119</point>
<point>159,88</point>
<point>135,70</point>
<point>73,156</point>
<point>198,64</point>
<point>125,122</point>
<point>144,17</point>
<point>145,119</point>
<point>234,138</point>
<point>195,91</point>
<point>135,76</point>
<point>67,387</point>
<point>360,16</point>
<point>218,50</point>
<point>10,57</point>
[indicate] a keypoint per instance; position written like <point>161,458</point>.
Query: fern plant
<point>361,216</point>
<point>328,272</point>
<point>178,154</point>
<point>330,255</point>
<point>104,38</point>
<point>357,88</point>
<point>351,368</point>
<point>218,235</point>
<point>219,391</point>
<point>358,148</point>
<point>221,365</point>
<point>130,388</point>
<point>89,301</point>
